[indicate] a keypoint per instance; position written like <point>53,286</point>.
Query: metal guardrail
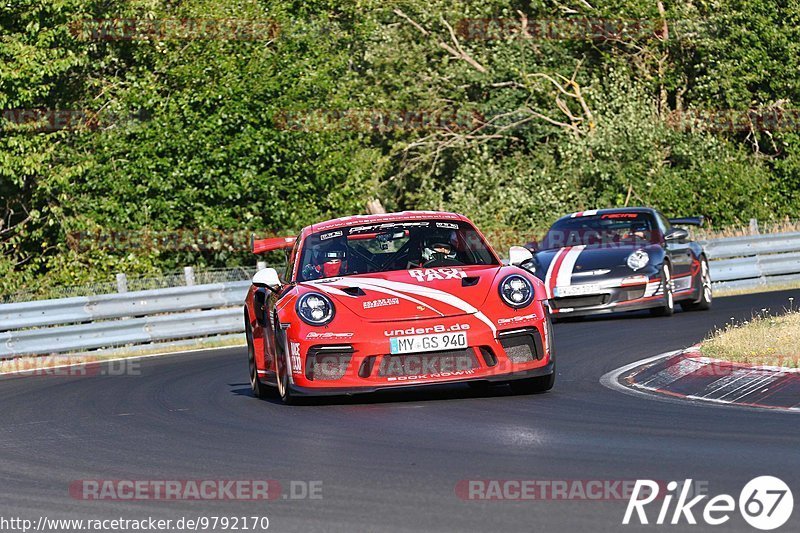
<point>129,304</point>
<point>754,261</point>
<point>120,332</point>
<point>109,320</point>
<point>752,245</point>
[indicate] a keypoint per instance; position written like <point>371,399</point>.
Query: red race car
<point>396,300</point>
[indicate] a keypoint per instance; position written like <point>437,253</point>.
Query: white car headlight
<point>516,291</point>
<point>315,309</point>
<point>638,259</point>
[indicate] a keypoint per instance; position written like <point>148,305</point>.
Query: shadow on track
<point>444,392</point>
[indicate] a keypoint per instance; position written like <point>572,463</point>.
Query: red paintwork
<point>367,329</point>
<point>276,243</point>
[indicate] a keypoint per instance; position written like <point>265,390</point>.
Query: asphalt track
<point>392,462</point>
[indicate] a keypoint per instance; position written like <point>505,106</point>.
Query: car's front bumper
<point>363,363</point>
<point>545,370</point>
<point>610,296</point>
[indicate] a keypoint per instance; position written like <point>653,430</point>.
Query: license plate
<point>428,343</point>
<point>577,290</point>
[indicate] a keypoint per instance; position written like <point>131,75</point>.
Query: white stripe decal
<point>333,290</point>
<point>283,303</point>
<point>550,271</point>
<point>564,275</point>
<point>427,292</point>
<point>329,290</point>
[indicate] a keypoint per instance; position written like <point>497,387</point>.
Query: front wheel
<point>259,389</point>
<point>704,302</point>
<point>533,385</point>
<point>282,371</point>
<point>668,307</point>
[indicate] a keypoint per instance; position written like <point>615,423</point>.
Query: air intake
<point>522,346</point>
<point>328,363</point>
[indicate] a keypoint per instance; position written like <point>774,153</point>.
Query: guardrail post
<point>261,265</point>
<point>188,274</point>
<point>754,226</point>
<point>122,283</point>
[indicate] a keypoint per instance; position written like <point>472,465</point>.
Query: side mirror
<point>518,255</point>
<point>676,234</point>
<point>267,277</point>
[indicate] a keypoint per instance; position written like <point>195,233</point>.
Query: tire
<point>282,376</point>
<point>668,308</point>
<point>533,385</point>
<point>703,303</point>
<point>259,388</point>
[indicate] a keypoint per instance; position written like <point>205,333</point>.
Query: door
<point>679,251</point>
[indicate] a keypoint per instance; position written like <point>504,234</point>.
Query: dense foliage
<point>288,112</point>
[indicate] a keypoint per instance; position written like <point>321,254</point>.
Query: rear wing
<point>260,246</point>
<point>687,221</point>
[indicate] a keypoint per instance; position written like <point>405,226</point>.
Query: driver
<point>327,262</point>
<point>638,231</point>
<point>439,246</point>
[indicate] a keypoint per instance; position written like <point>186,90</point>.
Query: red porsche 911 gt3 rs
<point>396,300</point>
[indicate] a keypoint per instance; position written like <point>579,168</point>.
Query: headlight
<point>516,291</point>
<point>315,309</point>
<point>638,259</point>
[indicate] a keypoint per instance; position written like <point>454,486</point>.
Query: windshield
<point>392,246</point>
<point>610,229</point>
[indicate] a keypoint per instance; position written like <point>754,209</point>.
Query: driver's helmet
<point>329,260</point>
<point>333,259</point>
<point>440,245</point>
<point>639,230</point>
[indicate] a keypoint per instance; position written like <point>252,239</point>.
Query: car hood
<point>411,294</point>
<point>574,263</point>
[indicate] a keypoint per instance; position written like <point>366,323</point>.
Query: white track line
<point>610,380</point>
